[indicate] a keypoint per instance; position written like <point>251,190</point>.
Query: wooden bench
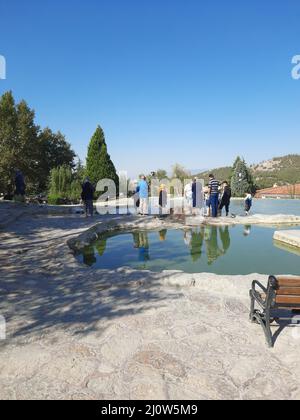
<point>282,293</point>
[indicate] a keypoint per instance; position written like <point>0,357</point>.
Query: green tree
<point>54,151</point>
<point>241,181</point>
<point>27,157</point>
<point>99,164</point>
<point>78,178</point>
<point>161,174</point>
<point>237,161</point>
<point>60,188</point>
<point>24,146</point>
<point>180,172</point>
<point>8,141</point>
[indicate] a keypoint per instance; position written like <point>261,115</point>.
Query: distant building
<point>286,191</point>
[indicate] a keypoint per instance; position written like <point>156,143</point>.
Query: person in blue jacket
<point>143,190</point>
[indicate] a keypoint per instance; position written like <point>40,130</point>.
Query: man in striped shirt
<point>214,187</point>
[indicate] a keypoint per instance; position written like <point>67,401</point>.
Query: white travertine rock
<point>80,333</point>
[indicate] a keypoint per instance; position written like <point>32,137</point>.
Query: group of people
<point>216,196</point>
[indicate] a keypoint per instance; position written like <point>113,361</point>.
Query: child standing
<point>248,203</point>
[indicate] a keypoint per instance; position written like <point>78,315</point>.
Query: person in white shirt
<point>188,198</point>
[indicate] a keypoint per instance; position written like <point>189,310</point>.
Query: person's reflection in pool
<point>212,247</point>
<point>247,230</point>
<point>163,235</point>
<point>197,244</point>
<point>141,243</point>
<point>89,256</point>
<point>225,238</point>
<point>187,237</point>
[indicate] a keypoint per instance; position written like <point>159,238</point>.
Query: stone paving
<point>79,333</point>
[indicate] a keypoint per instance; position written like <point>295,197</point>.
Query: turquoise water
<point>227,250</point>
<point>234,250</point>
<point>268,207</point>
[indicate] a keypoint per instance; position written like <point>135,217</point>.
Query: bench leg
<point>252,310</point>
<point>264,321</point>
<point>268,332</point>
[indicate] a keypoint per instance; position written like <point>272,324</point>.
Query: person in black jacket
<point>20,186</point>
<point>87,196</point>
<point>226,197</point>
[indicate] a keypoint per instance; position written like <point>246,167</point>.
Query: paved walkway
<point>79,333</point>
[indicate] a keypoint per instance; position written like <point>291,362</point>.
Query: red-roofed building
<point>287,191</point>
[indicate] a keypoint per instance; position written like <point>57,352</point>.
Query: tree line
<point>50,166</point>
<point>45,158</point>
<point>240,179</point>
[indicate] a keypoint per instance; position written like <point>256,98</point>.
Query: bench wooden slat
<point>283,292</point>
<point>288,300</point>
<point>288,281</point>
<point>291,291</point>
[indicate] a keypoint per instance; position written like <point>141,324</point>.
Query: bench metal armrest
<point>255,294</point>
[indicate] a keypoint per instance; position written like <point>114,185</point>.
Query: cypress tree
<point>99,164</point>
<point>242,181</point>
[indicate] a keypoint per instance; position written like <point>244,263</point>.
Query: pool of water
<point>220,250</point>
<point>268,207</point>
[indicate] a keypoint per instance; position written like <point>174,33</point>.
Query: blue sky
<point>195,82</point>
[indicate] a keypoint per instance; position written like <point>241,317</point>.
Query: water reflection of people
<point>225,238</point>
<point>187,237</point>
<point>195,240</point>
<point>213,250</point>
<point>247,230</point>
<point>196,244</point>
<point>163,235</point>
<point>141,243</point>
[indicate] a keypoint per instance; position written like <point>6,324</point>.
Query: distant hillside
<point>223,174</point>
<point>280,170</point>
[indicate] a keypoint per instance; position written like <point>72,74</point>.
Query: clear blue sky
<point>189,81</point>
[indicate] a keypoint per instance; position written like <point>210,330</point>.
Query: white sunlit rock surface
<point>289,237</point>
<point>80,333</point>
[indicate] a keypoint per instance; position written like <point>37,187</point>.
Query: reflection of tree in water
<point>101,246</point>
<point>89,257</point>
<point>141,243</point>
<point>196,244</point>
<point>212,247</point>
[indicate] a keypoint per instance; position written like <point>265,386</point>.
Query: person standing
<point>163,199</point>
<point>144,196</point>
<point>207,209</point>
<point>87,196</point>
<point>188,195</point>
<point>248,203</point>
<point>226,197</point>
<point>214,187</point>
<point>197,198</point>
<point>20,186</point>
